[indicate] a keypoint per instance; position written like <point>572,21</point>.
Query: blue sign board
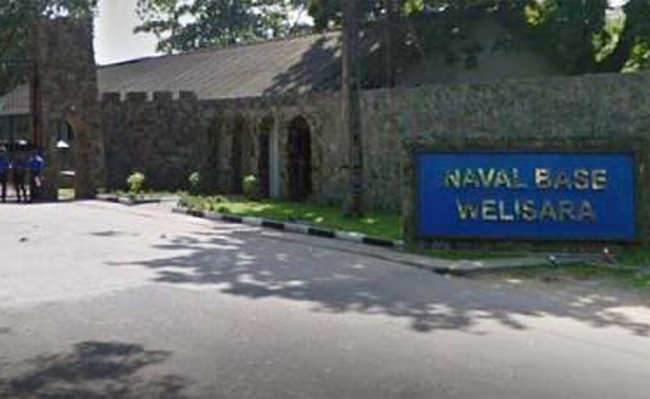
<point>535,196</point>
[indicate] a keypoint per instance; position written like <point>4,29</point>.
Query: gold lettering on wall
<point>599,179</point>
<point>582,179</point>
<point>453,178</point>
<point>527,210</point>
<point>542,178</point>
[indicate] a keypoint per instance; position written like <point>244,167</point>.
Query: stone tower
<point>67,93</point>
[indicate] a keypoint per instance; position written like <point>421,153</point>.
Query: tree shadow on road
<point>91,370</point>
<point>112,234</point>
<point>249,265</point>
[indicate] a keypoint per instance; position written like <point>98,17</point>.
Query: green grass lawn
<point>637,277</point>
<point>630,269</point>
<point>377,224</point>
<point>465,254</point>
<point>635,257</point>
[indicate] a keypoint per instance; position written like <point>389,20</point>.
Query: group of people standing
<point>21,164</point>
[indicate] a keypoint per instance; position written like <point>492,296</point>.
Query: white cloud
<point>114,37</point>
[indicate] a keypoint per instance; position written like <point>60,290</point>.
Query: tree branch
<point>635,13</point>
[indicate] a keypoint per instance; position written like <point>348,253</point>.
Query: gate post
<point>67,81</point>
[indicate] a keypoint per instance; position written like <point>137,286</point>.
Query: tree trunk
<point>389,33</point>
<point>353,204</point>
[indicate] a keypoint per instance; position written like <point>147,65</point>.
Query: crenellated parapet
<point>168,98</point>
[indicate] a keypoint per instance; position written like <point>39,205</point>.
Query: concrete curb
<point>292,227</point>
<point>438,266</point>
<point>125,200</point>
<point>468,268</point>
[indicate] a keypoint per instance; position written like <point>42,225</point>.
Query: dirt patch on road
<point>572,281</point>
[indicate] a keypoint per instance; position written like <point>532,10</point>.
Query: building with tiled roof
<point>270,109</point>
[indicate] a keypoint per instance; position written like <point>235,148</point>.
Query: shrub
<point>195,183</point>
<point>136,183</point>
<point>223,209</point>
<point>184,201</point>
<point>219,199</point>
<point>250,186</point>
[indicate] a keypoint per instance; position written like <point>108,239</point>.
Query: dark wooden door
<point>264,165</point>
<point>300,179</point>
<point>236,163</point>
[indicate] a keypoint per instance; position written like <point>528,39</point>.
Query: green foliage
<point>573,32</point>
<point>222,209</point>
<point>181,25</point>
<point>466,254</point>
<point>640,58</point>
<point>251,186</point>
<point>17,18</point>
<point>187,201</point>
<point>195,183</point>
<point>637,278</point>
<point>579,36</point>
<point>136,183</point>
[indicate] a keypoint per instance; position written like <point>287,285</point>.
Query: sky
<point>114,37</point>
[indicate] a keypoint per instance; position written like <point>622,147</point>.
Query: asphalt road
<point>102,300</point>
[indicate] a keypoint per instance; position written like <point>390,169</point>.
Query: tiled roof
<point>297,65</point>
<point>276,67</point>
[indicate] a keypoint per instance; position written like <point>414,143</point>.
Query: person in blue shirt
<point>5,167</point>
<point>36,167</point>
<point>19,167</point>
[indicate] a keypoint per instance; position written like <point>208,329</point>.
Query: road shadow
<point>250,265</point>
<point>91,370</point>
<point>112,234</point>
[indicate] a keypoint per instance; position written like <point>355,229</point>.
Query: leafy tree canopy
<point>189,24</point>
<point>16,19</point>
<point>581,36</point>
<point>17,16</point>
<point>589,36</point>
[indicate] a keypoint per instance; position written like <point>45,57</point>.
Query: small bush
<point>195,183</point>
<point>136,183</point>
<point>220,199</point>
<point>250,186</point>
<point>184,201</point>
<point>223,209</point>
<point>213,203</point>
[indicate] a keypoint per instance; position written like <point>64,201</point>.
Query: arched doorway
<point>236,155</point>
<point>264,158</point>
<point>299,152</point>
<point>65,152</point>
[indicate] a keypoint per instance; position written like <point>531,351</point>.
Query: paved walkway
<point>102,300</point>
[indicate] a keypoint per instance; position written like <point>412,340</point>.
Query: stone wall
<point>608,112</point>
<point>169,136</point>
<point>158,135</point>
<point>570,109</point>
